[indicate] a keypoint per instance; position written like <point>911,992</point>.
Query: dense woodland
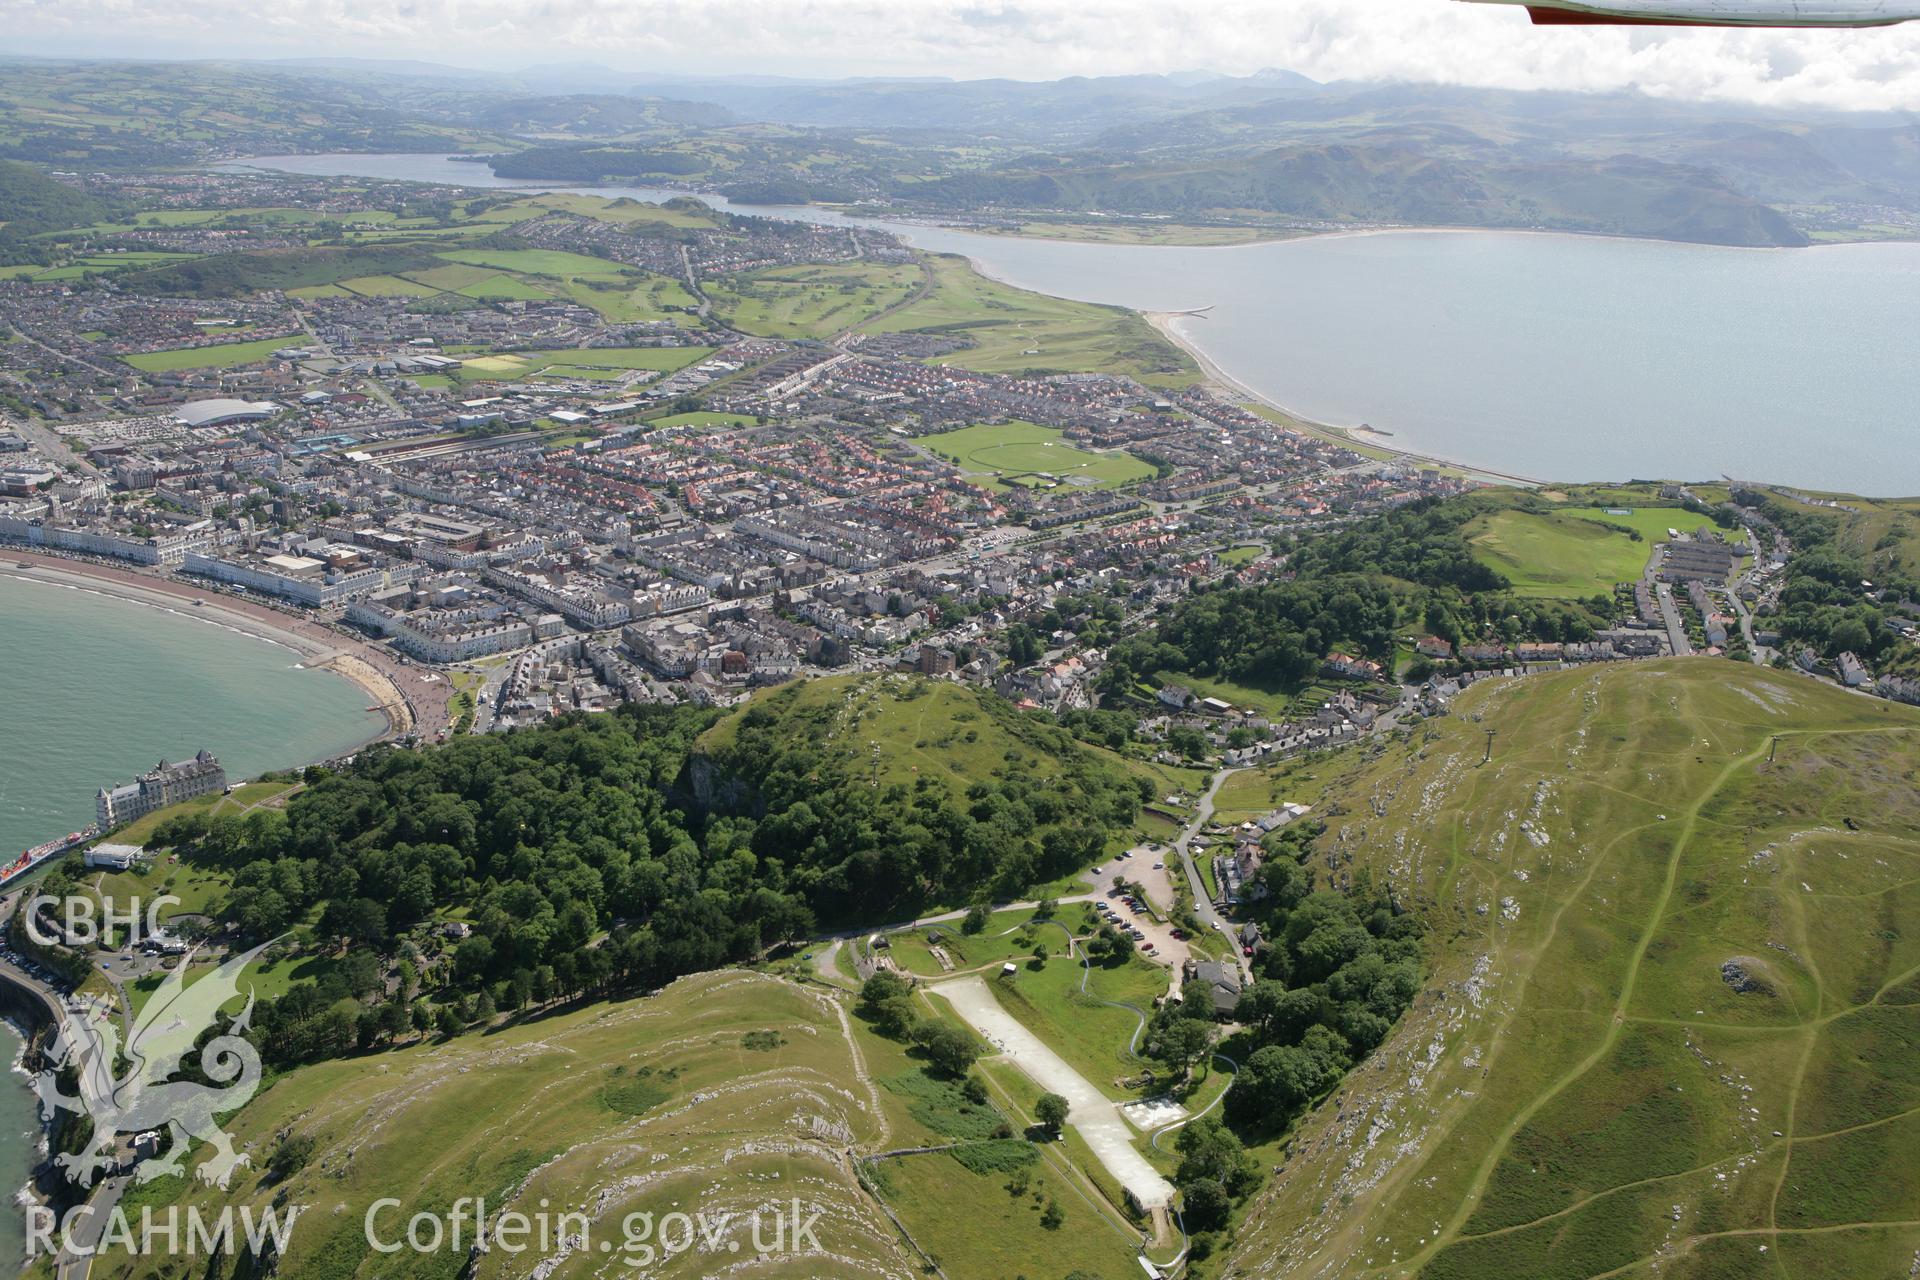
<point>30,203</point>
<point>1336,970</point>
<point>1828,602</point>
<point>1353,590</point>
<point>610,852</point>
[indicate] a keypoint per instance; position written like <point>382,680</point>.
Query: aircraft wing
<point>1719,13</point>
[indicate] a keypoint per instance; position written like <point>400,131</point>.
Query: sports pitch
<point>1027,454</point>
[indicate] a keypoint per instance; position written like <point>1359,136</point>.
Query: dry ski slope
<point>1673,1019</point>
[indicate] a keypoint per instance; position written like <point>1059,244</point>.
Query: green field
<point>454,276</point>
<point>225,355</point>
<point>929,729</point>
<point>809,301</point>
<point>539,262</point>
<point>262,981</point>
<point>596,363</point>
<point>387,287</point>
<point>1091,1035</point>
<point>978,1229</point>
<point>1010,330</point>
<point>689,213</point>
<point>1003,939</point>
<point>654,297</point>
<point>619,293</point>
<point>1574,552</point>
<point>503,288</point>
<point>1682,989</point>
<point>1254,793</point>
<point>209,217</point>
<point>702,418</point>
<point>1023,452</point>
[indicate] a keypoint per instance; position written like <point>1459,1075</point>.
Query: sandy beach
<point>412,700</point>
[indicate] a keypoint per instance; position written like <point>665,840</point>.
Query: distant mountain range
<point>1270,148</point>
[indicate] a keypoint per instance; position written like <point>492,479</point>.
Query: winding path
<point>1183,845</point>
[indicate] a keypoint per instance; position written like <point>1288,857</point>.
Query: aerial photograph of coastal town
<point>976,639</point>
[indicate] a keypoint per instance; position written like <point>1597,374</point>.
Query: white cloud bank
<point>1434,41</point>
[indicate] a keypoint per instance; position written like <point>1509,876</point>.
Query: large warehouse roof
<point>211,413</point>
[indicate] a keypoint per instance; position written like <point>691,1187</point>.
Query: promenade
<point>412,699</point>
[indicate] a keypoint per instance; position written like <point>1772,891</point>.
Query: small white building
<point>113,857</point>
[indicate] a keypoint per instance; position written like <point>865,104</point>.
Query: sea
<point>1544,356</point>
<point>95,689</point>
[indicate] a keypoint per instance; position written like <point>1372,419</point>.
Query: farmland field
<point>1019,452</point>
<point>539,262</point>
<point>691,213</point>
<point>225,355</point>
<point>1677,1005</point>
<point>387,287</point>
<point>502,286</point>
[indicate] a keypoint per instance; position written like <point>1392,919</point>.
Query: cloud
<point>1431,41</point>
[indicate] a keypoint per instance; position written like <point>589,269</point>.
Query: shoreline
<point>407,702</point>
<point>24,1196</point>
<point>1164,323</point>
<point>884,221</point>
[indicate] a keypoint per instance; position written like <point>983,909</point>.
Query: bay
<point>94,690</point>
<point>1550,356</point>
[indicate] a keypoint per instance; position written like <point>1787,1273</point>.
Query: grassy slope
<point>1013,331</point>
<point>1572,552</point>
<point>946,731</point>
<point>1579,1072</point>
<point>976,1228</point>
<point>1884,532</point>
<point>1094,1037</point>
<point>543,1111</point>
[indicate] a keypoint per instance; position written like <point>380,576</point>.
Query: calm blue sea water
<point>94,690</point>
<point>1551,356</point>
